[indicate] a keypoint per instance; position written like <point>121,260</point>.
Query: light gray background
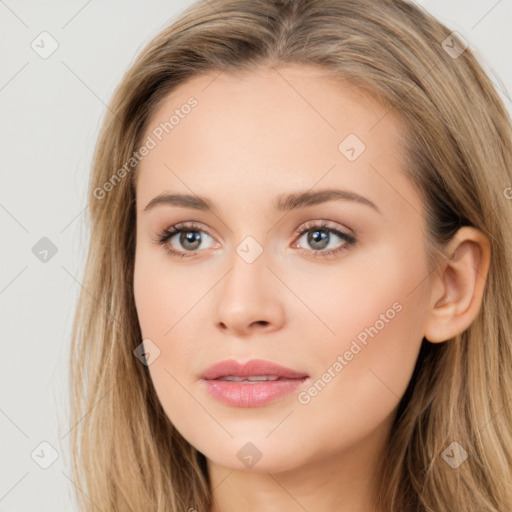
<point>50,113</point>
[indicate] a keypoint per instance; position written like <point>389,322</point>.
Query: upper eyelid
<point>324,224</point>
<point>304,227</point>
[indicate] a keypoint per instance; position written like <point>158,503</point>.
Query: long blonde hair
<point>127,456</point>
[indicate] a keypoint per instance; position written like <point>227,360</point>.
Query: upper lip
<point>254,367</point>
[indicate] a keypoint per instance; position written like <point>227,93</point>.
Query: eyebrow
<point>282,202</point>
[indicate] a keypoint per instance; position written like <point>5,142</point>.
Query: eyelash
<point>167,234</point>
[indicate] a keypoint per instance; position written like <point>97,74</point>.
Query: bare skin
<point>250,139</point>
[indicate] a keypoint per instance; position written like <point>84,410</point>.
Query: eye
<point>319,237</point>
<point>190,238</point>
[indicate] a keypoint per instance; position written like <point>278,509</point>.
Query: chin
<point>256,456</point>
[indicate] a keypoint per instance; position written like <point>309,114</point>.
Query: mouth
<point>254,384</point>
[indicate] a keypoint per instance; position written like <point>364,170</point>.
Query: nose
<point>249,298</point>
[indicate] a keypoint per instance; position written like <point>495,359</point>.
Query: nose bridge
<point>248,266</point>
<point>246,296</point>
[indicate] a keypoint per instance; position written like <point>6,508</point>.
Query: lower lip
<point>251,394</point>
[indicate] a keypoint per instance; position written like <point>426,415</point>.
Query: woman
<point>338,334</point>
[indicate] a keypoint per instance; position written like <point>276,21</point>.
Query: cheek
<point>164,293</point>
<point>362,373</point>
<point>378,312</point>
<point>360,298</point>
<point>164,300</point>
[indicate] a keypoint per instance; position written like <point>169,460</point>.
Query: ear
<point>458,288</point>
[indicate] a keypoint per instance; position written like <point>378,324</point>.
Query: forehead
<point>287,94</point>
<point>272,130</point>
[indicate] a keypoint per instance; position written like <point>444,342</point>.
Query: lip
<point>254,367</point>
<point>255,393</point>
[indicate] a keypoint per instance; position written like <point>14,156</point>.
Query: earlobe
<point>457,290</point>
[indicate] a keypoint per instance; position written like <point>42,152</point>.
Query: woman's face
<point>250,286</point>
